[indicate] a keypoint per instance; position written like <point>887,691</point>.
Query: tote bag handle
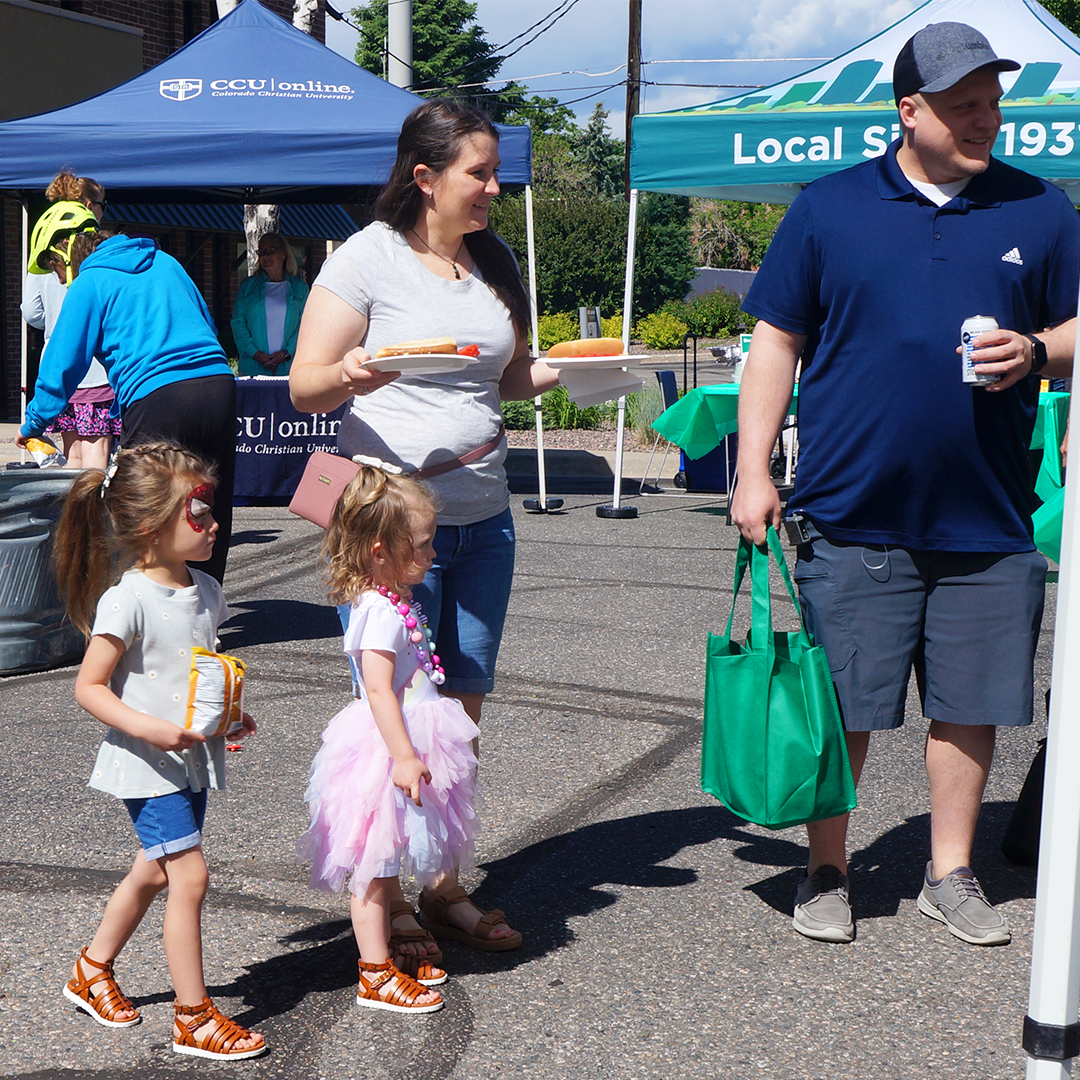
<point>761,600</point>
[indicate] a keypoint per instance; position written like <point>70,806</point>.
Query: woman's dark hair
<point>432,135</point>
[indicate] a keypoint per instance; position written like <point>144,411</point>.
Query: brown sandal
<point>433,911</point>
<point>219,1041</point>
<point>420,969</point>
<point>102,1007</point>
<point>392,990</point>
<point>397,937</point>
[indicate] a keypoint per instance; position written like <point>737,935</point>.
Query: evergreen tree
<point>602,156</point>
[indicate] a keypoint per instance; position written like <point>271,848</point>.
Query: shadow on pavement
<point>264,622</point>
<point>890,869</point>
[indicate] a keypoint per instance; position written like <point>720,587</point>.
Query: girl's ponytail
<point>81,557</point>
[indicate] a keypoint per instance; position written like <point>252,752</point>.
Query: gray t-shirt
<point>420,421</point>
<point>158,627</point>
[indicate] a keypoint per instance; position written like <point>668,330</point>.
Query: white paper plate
<point>625,360</point>
<point>423,363</point>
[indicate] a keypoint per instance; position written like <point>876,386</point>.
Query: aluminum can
<point>970,329</point>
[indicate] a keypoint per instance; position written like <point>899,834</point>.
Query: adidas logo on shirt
<point>1013,257</point>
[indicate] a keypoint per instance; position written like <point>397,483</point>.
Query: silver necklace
<point>452,262</point>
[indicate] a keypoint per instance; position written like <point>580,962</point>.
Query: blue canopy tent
<point>250,111</point>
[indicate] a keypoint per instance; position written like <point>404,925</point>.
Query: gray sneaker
<point>958,901</point>
<point>822,909</point>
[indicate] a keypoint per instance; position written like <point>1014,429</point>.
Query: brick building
<point>209,241</point>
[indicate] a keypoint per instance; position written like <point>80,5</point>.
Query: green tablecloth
<point>1050,424</point>
<point>700,421</point>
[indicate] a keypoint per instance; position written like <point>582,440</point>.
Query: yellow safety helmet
<point>62,219</point>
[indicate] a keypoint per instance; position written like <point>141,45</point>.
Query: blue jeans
<point>167,824</point>
<point>464,597</point>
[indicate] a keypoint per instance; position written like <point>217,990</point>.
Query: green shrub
<point>714,314</point>
<point>558,412</point>
<point>557,326</point>
<point>661,330</point>
<point>519,415</point>
<point>611,327</point>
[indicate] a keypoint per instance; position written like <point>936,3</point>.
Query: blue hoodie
<point>136,309</point>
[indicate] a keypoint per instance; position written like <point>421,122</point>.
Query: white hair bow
<point>375,463</point>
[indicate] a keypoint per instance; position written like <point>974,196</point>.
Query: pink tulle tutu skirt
<point>362,825</point>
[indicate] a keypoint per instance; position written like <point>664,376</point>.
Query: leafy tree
<point>663,264</point>
<point>581,249</point>
<point>556,168</point>
<point>1067,11</point>
<point>543,114</point>
<point>733,234</point>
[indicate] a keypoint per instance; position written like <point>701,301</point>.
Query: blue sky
<point>592,38</point>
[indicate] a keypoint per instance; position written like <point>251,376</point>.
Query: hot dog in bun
<point>604,346</point>
<point>424,345</point>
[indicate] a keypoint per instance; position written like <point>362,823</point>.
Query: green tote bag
<point>773,749</point>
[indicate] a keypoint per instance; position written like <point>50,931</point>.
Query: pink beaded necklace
<point>419,634</point>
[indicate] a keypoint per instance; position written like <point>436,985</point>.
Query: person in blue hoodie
<point>136,309</point>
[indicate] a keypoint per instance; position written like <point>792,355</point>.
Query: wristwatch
<point>1038,353</point>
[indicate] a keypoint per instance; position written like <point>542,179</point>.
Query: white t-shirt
<point>421,421</point>
<point>158,627</point>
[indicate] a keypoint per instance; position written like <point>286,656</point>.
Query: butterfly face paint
<point>199,503</point>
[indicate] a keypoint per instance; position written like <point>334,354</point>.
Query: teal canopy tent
<point>766,145</point>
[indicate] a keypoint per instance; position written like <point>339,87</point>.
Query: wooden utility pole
<point>633,79</point>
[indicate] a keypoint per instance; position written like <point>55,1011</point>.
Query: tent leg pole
<point>24,342</point>
<point>543,504</point>
<point>616,510</point>
<point>1051,1033</point>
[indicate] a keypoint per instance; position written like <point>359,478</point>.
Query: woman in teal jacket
<point>266,318</point>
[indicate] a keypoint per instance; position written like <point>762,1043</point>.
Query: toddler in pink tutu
<point>392,788</point>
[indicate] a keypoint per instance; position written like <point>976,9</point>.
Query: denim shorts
<point>167,824</point>
<point>464,597</point>
<point>968,622</point>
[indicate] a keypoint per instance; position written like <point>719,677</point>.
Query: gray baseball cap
<point>939,56</point>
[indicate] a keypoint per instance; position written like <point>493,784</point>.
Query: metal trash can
<point>34,630</point>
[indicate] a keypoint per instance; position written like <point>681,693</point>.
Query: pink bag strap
<point>464,459</point>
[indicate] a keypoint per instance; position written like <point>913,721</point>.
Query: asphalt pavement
<point>658,939</point>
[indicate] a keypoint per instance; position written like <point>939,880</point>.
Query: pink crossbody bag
<point>326,476</point>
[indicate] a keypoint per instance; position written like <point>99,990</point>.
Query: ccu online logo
<point>180,89</point>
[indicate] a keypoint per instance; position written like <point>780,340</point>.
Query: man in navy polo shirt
<point>914,484</point>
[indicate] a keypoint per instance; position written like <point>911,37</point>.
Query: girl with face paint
<point>154,507</point>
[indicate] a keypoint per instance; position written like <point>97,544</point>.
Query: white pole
<point>24,369</point>
<point>628,303</point>
<point>1051,1032</point>
<point>530,234</point>
<point>399,43</point>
